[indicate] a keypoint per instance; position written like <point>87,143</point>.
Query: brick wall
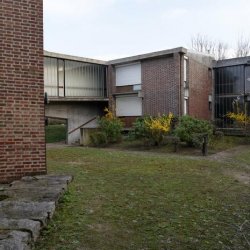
<point>22,144</point>
<point>200,86</point>
<point>161,85</point>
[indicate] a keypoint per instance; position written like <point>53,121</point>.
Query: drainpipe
<point>180,85</point>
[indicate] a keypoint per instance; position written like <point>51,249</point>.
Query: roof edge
<point>74,58</point>
<point>232,62</point>
<point>148,55</point>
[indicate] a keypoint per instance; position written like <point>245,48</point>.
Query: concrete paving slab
<point>30,194</point>
<point>37,189</point>
<point>16,240</point>
<point>38,211</point>
<point>26,207</point>
<point>26,225</point>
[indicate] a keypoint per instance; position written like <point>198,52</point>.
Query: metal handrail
<point>92,119</point>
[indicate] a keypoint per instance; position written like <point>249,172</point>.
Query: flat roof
<point>232,62</point>
<point>148,55</point>
<point>74,58</point>
<point>117,61</point>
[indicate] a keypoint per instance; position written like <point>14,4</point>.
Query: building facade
<point>76,90</point>
<point>22,136</point>
<point>176,81</point>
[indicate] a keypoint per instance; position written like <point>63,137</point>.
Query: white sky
<point>108,29</point>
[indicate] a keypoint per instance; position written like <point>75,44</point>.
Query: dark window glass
<point>229,80</point>
<point>247,82</point>
<point>224,105</point>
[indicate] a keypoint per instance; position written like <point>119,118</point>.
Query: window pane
<point>50,76</point>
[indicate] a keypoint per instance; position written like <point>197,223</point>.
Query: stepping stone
<point>15,240</point>
<point>38,211</point>
<point>31,226</point>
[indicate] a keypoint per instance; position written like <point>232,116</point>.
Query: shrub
<point>172,140</point>
<point>153,129</point>
<point>192,131</point>
<point>140,128</point>
<point>111,126</point>
<point>218,134</point>
<point>240,115</point>
<point>98,139</point>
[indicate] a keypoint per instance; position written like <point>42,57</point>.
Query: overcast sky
<point>108,29</point>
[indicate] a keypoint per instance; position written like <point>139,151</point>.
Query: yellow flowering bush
<point>109,115</point>
<point>238,115</point>
<point>240,118</point>
<point>153,128</point>
<point>111,126</point>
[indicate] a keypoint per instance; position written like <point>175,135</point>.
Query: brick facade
<point>161,85</point>
<point>22,140</point>
<point>200,87</point>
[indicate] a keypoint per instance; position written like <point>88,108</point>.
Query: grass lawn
<point>215,146</point>
<point>128,200</point>
<point>55,133</point>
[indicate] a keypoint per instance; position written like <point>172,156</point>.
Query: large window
<point>128,106</point>
<point>129,74</point>
<point>74,79</point>
<point>231,85</point>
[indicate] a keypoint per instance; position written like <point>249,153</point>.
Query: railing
<point>92,119</point>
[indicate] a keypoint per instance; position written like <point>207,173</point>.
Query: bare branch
<point>243,46</point>
<point>203,44</point>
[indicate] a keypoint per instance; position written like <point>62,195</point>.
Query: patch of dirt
<point>241,177</point>
<point>100,228</point>
<point>228,154</point>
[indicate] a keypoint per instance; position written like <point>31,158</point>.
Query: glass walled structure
<point>69,78</point>
<point>232,90</point>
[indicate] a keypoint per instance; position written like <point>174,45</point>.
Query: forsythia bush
<point>111,126</point>
<point>153,128</point>
<point>240,118</point>
<point>238,115</point>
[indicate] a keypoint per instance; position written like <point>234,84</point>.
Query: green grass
<point>55,133</point>
<point>215,146</point>
<point>138,201</point>
<point>244,157</point>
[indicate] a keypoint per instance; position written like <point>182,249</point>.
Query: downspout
<point>180,86</point>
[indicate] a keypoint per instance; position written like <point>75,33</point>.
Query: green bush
<point>111,126</point>
<point>140,128</point>
<point>153,129</point>
<point>218,134</point>
<point>98,139</point>
<point>192,131</point>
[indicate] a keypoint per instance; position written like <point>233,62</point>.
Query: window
<point>185,110</point>
<point>247,84</point>
<point>186,87</point>
<point>129,74</point>
<point>128,106</point>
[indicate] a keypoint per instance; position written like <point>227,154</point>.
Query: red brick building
<point>22,142</point>
<point>175,80</point>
